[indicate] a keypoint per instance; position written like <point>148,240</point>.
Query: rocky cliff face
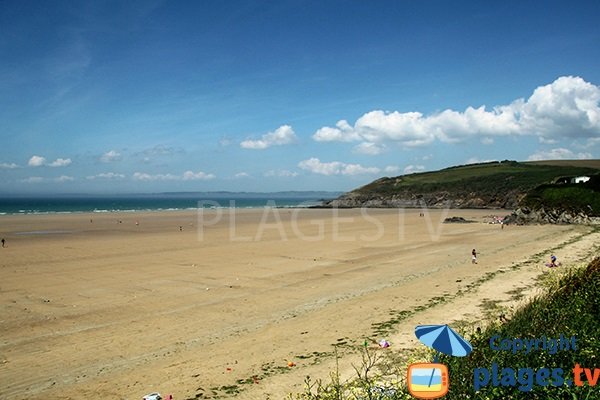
<point>525,215</point>
<point>540,193</point>
<point>439,199</point>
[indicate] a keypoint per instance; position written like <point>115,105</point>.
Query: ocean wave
<point>117,205</point>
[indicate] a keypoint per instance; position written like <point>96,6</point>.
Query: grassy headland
<point>485,185</point>
<point>572,197</point>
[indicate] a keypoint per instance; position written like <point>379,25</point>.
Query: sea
<point>10,205</point>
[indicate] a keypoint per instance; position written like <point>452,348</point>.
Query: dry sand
<point>110,309</point>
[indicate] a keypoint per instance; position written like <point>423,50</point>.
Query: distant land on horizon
<point>320,194</point>
<point>280,194</point>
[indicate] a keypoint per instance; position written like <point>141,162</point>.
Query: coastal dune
<point>216,304</point>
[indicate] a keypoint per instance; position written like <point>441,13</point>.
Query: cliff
<point>532,188</point>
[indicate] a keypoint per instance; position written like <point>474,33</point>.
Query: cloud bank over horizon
<point>186,176</point>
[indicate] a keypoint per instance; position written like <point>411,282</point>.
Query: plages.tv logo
<point>431,380</point>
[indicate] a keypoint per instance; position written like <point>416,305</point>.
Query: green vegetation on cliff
<point>494,184</point>
<point>574,197</point>
<point>507,175</point>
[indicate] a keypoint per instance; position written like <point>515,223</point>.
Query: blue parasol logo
<point>443,339</point>
<point>430,380</point>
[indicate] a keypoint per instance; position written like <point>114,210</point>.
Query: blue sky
<point>142,96</point>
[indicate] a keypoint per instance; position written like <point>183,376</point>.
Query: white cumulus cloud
<point>371,149</point>
<point>39,179</point>
<point>142,176</point>
<point>391,169</point>
<point>60,162</point>
<point>8,166</point>
<point>558,154</point>
<point>342,132</point>
<point>281,173</point>
<point>36,161</point>
<point>566,108</point>
<point>335,167</point>
<point>195,176</point>
<point>281,136</point>
<point>106,175</point>
<point>64,178</point>
<point>186,176</point>
<point>411,169</point>
<point>241,175</point>
<point>110,156</point>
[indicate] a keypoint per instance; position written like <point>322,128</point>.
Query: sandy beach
<point>116,306</point>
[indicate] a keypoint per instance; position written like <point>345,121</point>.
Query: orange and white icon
<point>427,380</point>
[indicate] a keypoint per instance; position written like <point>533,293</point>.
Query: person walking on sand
<point>3,241</point>
<point>474,257</point>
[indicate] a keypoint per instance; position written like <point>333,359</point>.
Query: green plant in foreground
<point>377,378</point>
<point>570,306</point>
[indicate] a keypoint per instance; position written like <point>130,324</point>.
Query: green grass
<point>582,197</point>
<point>506,184</point>
<point>490,179</point>
<point>570,305</point>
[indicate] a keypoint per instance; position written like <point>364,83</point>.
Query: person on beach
<point>474,257</point>
<point>3,241</point>
<point>552,263</point>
